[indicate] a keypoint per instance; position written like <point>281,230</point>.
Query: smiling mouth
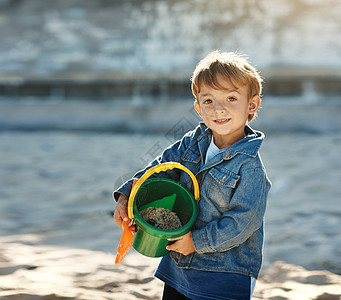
<point>221,121</point>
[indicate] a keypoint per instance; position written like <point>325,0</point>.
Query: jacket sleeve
<point>171,154</point>
<point>243,217</point>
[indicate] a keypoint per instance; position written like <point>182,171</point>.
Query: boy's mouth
<point>221,121</point>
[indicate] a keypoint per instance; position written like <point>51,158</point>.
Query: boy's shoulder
<point>250,144</point>
<point>196,134</point>
<point>199,130</point>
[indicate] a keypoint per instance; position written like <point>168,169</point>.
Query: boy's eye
<point>231,99</point>
<point>207,101</point>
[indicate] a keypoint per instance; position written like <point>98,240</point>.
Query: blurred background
<point>91,91</point>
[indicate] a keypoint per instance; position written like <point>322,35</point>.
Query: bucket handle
<point>157,169</point>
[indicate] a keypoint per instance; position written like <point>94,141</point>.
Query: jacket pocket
<point>222,187</point>
<point>224,178</point>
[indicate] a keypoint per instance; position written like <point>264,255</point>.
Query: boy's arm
<point>170,154</point>
<point>243,218</point>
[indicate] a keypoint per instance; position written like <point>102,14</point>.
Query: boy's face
<point>225,111</point>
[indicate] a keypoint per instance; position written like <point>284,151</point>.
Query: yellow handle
<point>157,169</point>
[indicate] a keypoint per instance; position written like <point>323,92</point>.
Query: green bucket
<point>165,193</point>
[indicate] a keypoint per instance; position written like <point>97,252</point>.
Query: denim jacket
<point>228,233</point>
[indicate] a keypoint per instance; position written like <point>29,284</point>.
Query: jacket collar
<point>249,145</point>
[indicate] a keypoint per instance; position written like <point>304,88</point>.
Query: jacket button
<point>187,155</point>
<point>227,153</point>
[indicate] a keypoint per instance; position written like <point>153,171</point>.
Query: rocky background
<point>165,36</point>
<point>108,49</point>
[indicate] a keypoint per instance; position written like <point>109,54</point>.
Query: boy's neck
<point>223,142</point>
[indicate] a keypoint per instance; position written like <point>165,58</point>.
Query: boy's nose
<point>219,108</point>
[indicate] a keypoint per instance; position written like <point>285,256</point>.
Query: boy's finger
<point>132,228</point>
<point>124,215</point>
<point>123,212</point>
<point>118,220</point>
<point>174,239</point>
<point>171,247</point>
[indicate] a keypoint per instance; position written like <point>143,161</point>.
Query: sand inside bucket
<point>161,218</point>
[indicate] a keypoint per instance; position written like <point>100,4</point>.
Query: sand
<point>53,272</point>
<point>161,218</point>
<point>58,239</point>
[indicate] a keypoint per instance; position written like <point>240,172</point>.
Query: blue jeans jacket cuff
<point>200,241</point>
<point>124,189</point>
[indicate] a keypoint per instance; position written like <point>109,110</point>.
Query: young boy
<point>222,255</point>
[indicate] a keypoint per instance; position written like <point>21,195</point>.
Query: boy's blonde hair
<point>230,66</point>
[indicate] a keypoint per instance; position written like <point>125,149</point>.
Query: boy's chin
<point>220,132</point>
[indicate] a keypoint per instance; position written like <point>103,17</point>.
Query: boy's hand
<point>121,213</point>
<point>183,244</point>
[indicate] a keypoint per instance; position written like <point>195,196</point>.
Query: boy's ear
<point>197,107</point>
<point>254,104</point>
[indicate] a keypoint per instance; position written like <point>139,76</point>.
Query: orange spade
<point>126,241</point>
<point>127,238</point>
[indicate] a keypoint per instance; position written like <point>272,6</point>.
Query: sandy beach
<point>53,272</point>
<point>58,239</point>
